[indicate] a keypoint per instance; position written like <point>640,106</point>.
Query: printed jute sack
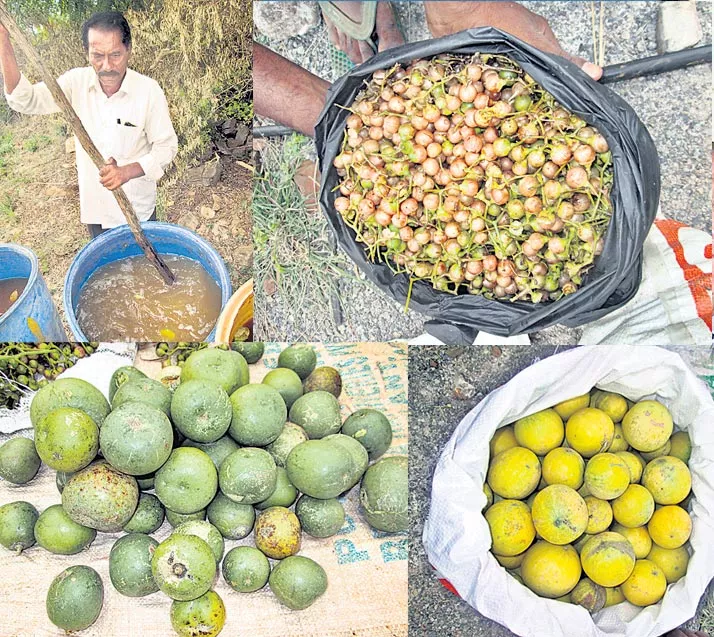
<point>366,569</point>
<point>456,535</point>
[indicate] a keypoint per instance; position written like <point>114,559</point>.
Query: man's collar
<point>127,86</point>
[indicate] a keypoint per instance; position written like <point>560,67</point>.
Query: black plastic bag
<point>614,279</point>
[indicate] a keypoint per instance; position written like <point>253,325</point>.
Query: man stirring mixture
<point>125,114</point>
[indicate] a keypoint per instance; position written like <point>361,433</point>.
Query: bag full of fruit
<point>488,184</point>
<point>578,499</point>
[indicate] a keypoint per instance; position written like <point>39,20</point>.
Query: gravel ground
<point>675,107</point>
<point>443,389</point>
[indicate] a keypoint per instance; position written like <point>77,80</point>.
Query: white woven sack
<point>456,535</point>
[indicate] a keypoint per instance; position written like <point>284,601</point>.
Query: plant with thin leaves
<point>291,243</point>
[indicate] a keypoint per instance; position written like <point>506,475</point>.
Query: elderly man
<point>124,113</point>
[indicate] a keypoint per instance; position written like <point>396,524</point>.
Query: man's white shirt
<point>133,125</point>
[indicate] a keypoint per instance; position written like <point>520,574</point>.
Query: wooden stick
<point>61,100</point>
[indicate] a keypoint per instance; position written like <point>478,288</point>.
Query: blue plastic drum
<point>33,318</point>
<point>119,243</point>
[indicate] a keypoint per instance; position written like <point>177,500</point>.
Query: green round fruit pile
<point>587,501</point>
<point>218,457</point>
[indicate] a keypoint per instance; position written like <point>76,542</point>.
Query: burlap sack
<point>367,570</point>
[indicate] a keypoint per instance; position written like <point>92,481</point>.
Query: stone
<point>217,202</point>
<point>191,221</point>
<point>220,228</point>
<point>243,256</point>
<point>207,212</point>
<point>282,20</point>
<point>463,390</point>
<point>69,146</point>
<point>242,152</point>
<point>208,174</point>
<point>222,146</point>
<point>241,134</point>
<point>228,127</point>
<point>678,25</point>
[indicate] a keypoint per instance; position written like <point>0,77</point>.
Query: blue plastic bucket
<point>34,303</point>
<point>118,243</point>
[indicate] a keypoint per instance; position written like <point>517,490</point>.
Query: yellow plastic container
<point>237,313</point>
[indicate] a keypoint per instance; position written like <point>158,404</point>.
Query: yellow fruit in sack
<point>646,585</point>
<point>608,559</point>
<point>589,431</point>
<point>648,425</point>
<point>550,570</point>
<point>514,474</point>
<point>540,432</point>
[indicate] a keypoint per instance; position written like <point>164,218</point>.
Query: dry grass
<point>704,618</point>
<point>297,272</point>
<point>199,52</point>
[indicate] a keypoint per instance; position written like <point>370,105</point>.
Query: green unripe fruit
<point>146,391</point>
<point>136,438</point>
<point>298,581</point>
<point>384,494</point>
<point>320,518</point>
<point>252,351</point>
<point>130,565</point>
<point>148,517</point>
<point>248,475</point>
<point>123,375</point>
<point>318,413</point>
<point>290,437</point>
<point>286,382</point>
<point>184,567</point>
<point>246,569</point>
<point>187,482</point>
<point>67,439</point>
<point>19,462</point>
<point>17,523</point>
<point>57,533</point>
<point>234,520</point>
<point>177,519</point>
<point>69,392</point>
<point>300,358</point>
<point>201,410</point>
<point>370,428</point>
<point>207,532</point>
<point>217,451</point>
<point>259,414</point>
<point>75,598</point>
<point>227,369</point>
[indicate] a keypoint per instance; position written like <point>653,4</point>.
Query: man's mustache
<point>108,74</point>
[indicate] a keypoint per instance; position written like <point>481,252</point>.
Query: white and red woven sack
<point>673,305</point>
